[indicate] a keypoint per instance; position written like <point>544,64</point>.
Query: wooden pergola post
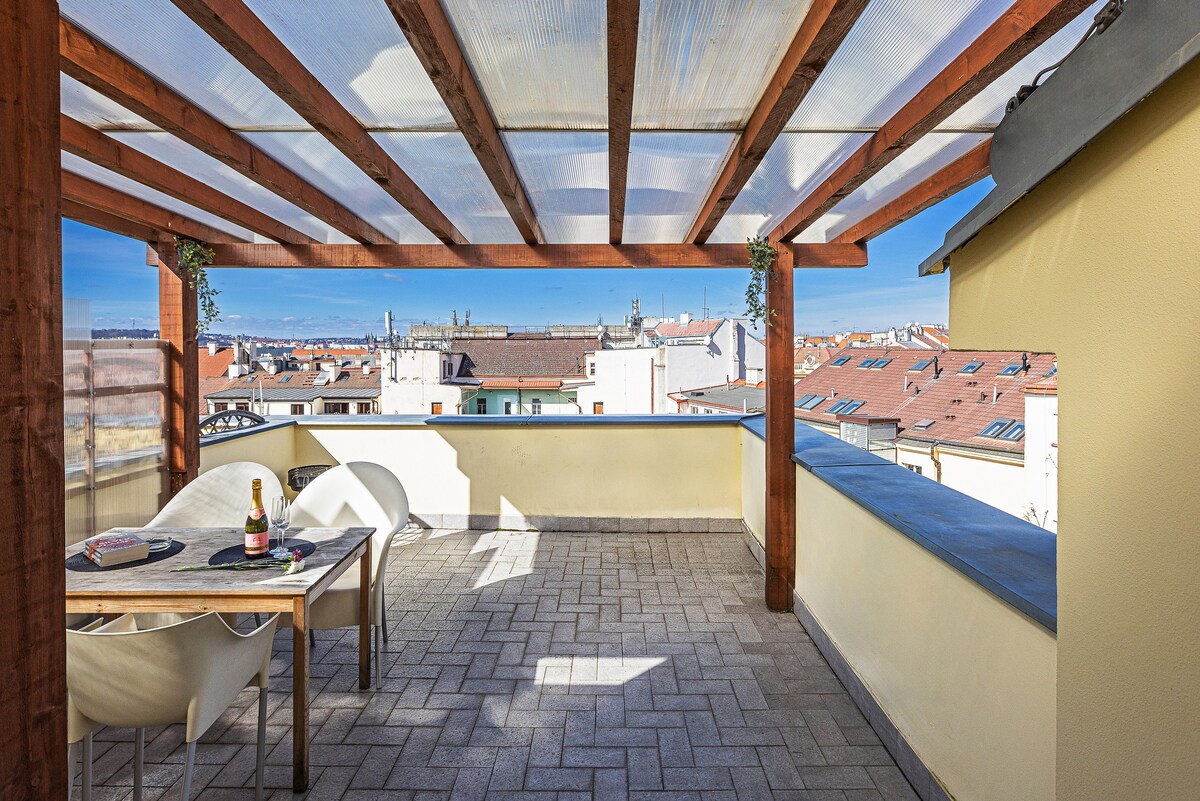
<point>33,689</point>
<point>177,315</point>
<point>781,424</point>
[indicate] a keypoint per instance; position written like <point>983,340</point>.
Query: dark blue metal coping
<point>1011,558</point>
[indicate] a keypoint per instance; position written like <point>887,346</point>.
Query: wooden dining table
<point>156,587</point>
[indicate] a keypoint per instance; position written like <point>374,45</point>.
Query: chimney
<point>212,347</point>
<point>366,368</point>
<point>685,318</point>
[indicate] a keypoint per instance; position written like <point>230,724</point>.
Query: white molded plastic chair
<point>188,672</point>
<point>218,498</point>
<point>354,494</point>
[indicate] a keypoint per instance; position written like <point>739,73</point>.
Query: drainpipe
<point>936,457</point>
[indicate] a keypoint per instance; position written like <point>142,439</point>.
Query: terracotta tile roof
<point>560,357</point>
<point>696,328</point>
<point>215,365</point>
<point>959,404</point>
<point>290,384</point>
<point>736,396</point>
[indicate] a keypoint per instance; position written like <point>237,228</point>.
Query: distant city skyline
<point>110,271</point>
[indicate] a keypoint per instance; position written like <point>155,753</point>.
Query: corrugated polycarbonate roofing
<point>541,65</point>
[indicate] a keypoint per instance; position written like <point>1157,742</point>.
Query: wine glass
<point>281,519</point>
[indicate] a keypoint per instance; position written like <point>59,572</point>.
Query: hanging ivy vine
<point>762,261</point>
<point>194,257</point>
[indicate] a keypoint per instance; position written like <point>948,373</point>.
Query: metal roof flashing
<point>1098,84</point>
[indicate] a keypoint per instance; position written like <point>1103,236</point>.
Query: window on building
<point>852,407</point>
<point>337,408</point>
<point>1053,371</point>
<point>839,361</point>
<point>364,407</point>
<point>1010,369</point>
<point>220,407</point>
<point>508,407</point>
<point>707,410</point>
<point>970,367</point>
<point>242,407</point>
<point>1014,432</point>
<point>446,367</point>
<point>249,380</point>
<point>921,365</point>
<point>592,368</point>
<point>837,407</point>
<point>535,406</point>
<point>995,428</point>
<point>800,403</point>
<point>435,407</point>
<point>284,379</point>
<point>297,408</point>
<point>881,363</point>
<point>695,410</point>
<point>598,407</point>
<point>481,406</point>
<point>810,402</point>
<point>916,468</point>
<point>867,363</point>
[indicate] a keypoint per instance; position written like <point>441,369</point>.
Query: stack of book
<point>111,549</point>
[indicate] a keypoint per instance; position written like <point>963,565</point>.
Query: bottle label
<point>256,514</point>
<point>257,541</point>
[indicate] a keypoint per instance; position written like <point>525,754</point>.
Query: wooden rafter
<point>432,39</point>
<point>98,218</point>
<point>236,28</point>
<point>622,68</point>
<point>954,177</point>
<point>95,65</point>
<point>91,193</point>
<point>90,144</point>
<point>523,256</point>
<point>823,29</point>
<point>1017,33</point>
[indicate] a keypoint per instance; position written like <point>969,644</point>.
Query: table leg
<point>364,621</point>
<point>299,696</point>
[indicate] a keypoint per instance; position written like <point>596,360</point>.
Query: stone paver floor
<point>557,667</point>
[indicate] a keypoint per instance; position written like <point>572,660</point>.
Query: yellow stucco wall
<point>967,680</point>
<point>1101,265</point>
<point>629,471</point>
<point>754,485</point>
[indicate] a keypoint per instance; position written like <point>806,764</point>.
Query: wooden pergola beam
<point>432,39</point>
<point>87,192</point>
<point>178,311</point>
<point>1017,33</point>
<point>826,25</point>
<point>779,537</point>
<point>954,177</point>
<point>97,218</point>
<point>90,144</point>
<point>239,30</point>
<point>600,256</point>
<point>93,64</point>
<point>33,693</point>
<point>622,68</point>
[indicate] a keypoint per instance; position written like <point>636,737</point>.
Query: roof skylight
<point>970,367</point>
<point>1001,428</point>
<point>867,363</point>
<point>1010,369</point>
<point>881,363</point>
<point>921,365</point>
<point>839,361</point>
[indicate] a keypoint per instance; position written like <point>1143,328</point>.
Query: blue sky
<point>111,272</point>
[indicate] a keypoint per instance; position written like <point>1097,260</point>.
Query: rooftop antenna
<point>704,305</point>
<point>664,305</point>
<point>454,317</point>
<point>467,322</point>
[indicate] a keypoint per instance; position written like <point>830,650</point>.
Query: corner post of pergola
<point>32,580</point>
<point>177,316</point>
<point>780,535</point>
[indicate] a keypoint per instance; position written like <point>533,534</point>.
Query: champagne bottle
<point>257,526</point>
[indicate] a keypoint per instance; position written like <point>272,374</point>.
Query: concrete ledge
<point>1011,558</point>
<point>589,525</point>
<point>376,420</point>
<point>923,782</point>
<point>272,424</point>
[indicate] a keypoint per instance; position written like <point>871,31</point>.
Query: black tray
<point>237,553</point>
<point>81,564</point>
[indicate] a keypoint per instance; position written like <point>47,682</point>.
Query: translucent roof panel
<point>357,51</point>
<point>156,36</point>
<point>931,153</point>
<point>669,177</point>
<point>540,63</point>
<point>100,175</point>
<point>566,177</point>
<point>94,109</point>
<point>178,154</point>
<point>894,49</point>
<point>313,158</point>
<point>987,107</point>
<point>692,66</point>
<point>446,169</point>
<point>792,168</point>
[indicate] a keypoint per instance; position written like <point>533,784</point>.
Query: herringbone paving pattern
<point>557,667</point>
